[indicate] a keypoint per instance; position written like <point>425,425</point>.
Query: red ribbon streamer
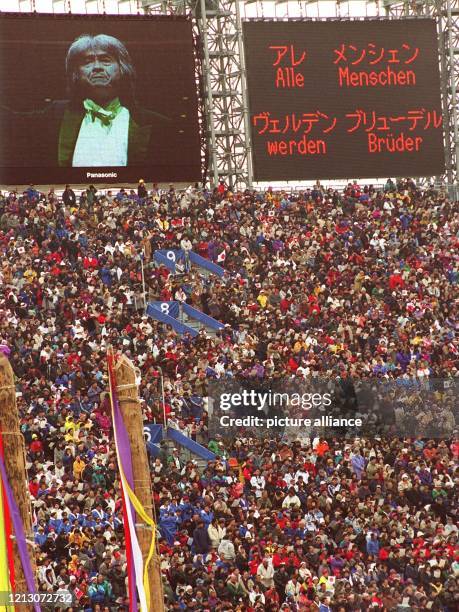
<point>127,535</point>
<point>8,527</point>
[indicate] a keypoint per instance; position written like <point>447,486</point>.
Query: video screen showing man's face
<point>98,73</point>
<point>110,102</point>
<point>101,83</point>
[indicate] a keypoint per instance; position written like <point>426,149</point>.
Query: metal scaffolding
<point>226,100</point>
<point>218,34</point>
<point>450,78</point>
<point>446,13</point>
<point>218,27</point>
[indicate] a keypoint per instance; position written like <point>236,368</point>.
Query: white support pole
<point>245,95</point>
<point>452,75</point>
<point>144,292</point>
<point>210,102</point>
<point>163,399</point>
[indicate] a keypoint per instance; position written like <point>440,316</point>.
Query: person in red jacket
<point>36,446</point>
<point>34,487</point>
<point>396,281</point>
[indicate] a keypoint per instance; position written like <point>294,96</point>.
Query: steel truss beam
<point>218,32</point>
<point>225,101</point>
<point>446,12</point>
<point>218,27</point>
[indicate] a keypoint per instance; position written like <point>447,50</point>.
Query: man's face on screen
<point>99,75</point>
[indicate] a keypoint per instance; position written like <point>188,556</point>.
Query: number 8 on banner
<point>164,307</point>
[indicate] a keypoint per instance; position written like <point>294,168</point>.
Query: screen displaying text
<point>334,99</point>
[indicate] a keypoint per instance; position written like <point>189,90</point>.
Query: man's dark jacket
<point>48,137</point>
<point>201,541</point>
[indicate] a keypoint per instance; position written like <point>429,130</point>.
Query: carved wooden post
<point>14,459</point>
<point>130,407</point>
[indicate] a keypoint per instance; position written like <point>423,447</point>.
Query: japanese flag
<point>222,256</point>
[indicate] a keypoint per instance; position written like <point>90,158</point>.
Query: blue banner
<point>153,432</point>
<point>153,449</point>
<point>202,262</point>
<point>180,328</point>
<point>175,257</point>
<point>203,318</point>
<point>164,261</point>
<point>168,308</point>
<point>191,445</point>
<point>176,260</point>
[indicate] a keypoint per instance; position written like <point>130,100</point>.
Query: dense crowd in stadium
<point>360,283</point>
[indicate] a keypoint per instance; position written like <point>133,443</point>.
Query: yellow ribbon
<point>138,508</point>
<point>149,521</point>
<point>5,586</point>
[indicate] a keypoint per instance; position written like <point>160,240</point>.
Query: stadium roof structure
<point>218,24</point>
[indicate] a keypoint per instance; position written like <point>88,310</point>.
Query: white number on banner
<point>170,255</point>
<point>147,434</point>
<point>165,308</point>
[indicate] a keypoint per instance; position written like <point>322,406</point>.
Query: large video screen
<point>108,98</point>
<point>344,99</point>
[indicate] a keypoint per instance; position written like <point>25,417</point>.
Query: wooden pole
<point>128,398</point>
<point>14,459</point>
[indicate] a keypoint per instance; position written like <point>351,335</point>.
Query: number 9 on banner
<point>171,255</point>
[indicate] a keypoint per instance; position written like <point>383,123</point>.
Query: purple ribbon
<point>19,533</point>
<point>5,349</point>
<point>124,450</point>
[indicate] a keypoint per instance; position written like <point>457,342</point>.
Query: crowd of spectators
<point>359,283</point>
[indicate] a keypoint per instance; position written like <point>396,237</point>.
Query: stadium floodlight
<point>21,5</point>
<point>146,4</point>
<point>65,5</point>
<point>178,6</point>
<point>88,3</point>
<point>211,5</point>
<point>387,3</point>
<point>123,5</point>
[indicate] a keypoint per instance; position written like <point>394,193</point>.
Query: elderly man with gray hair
<point>103,125</point>
<point>100,124</point>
